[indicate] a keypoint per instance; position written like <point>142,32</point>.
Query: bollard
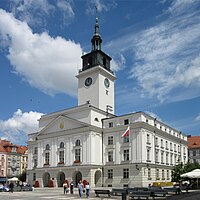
<point>123,195</point>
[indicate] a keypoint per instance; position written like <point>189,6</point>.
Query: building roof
<point>6,146</point>
<point>193,142</point>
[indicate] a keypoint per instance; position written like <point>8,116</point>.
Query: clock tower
<point>96,79</point>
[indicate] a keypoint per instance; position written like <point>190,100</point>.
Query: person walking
<point>80,188</point>
<point>11,186</point>
<point>87,187</point>
<point>72,187</point>
<point>65,187</point>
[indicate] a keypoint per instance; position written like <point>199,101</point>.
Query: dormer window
<point>14,149</point>
<point>126,121</point>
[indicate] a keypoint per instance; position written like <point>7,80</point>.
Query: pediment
<point>62,123</point>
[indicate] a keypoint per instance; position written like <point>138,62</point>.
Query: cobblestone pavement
<point>57,194</point>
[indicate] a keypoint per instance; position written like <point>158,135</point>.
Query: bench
<point>98,192</point>
<point>118,191</point>
<point>175,190</point>
<point>139,194</point>
<point>158,191</point>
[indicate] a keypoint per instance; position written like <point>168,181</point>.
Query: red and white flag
<point>126,132</point>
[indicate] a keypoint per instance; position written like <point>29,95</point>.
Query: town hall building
<point>85,143</point>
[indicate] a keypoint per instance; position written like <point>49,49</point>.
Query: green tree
<point>22,176</point>
<point>176,172</point>
<point>181,169</point>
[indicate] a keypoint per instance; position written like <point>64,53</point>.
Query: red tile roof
<point>6,146</point>
<point>194,142</point>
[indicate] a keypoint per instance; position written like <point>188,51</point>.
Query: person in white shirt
<point>87,187</point>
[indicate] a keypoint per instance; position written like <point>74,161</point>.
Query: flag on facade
<point>126,132</point>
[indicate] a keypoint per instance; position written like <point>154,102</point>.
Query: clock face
<point>106,83</point>
<point>88,81</point>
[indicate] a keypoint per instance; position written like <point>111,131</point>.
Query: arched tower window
<point>47,147</point>
<point>78,143</point>
<point>90,61</point>
<point>62,145</point>
<point>104,62</point>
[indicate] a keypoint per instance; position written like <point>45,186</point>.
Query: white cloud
<point>154,115</point>
<point>198,117</point>
<point>166,56</point>
<point>101,6</point>
<point>36,12</point>
<point>19,125</point>
<point>49,64</point>
<point>118,62</point>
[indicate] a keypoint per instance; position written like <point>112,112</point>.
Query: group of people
<point>81,188</point>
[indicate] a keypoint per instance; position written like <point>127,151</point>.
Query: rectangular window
<point>166,145</point>
<point>77,155</point>
<point>110,124</point>
<point>61,156</point>
<point>110,173</point>
<point>148,139</point>
<point>35,150</point>
<point>167,158</point>
<point>149,173</point>
<point>162,143</point>
<point>175,147</point>
<point>194,153</point>
<point>148,155</point>
<point>163,174</point>
<point>156,142</point>
<point>47,158</point>
<point>162,157</point>
<point>34,176</point>
<point>156,157</point>
<point>168,175</point>
<point>126,154</point>
<point>110,156</point>
<point>110,140</point>
<point>35,162</point>
<point>126,139</point>
<point>126,173</point>
<point>171,146</point>
<point>126,121</point>
<point>157,174</point>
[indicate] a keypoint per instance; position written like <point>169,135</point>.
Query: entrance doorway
<point>46,179</point>
<point>77,177</point>
<point>97,178</point>
<point>60,179</point>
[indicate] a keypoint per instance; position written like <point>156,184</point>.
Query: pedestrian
<point>80,188</point>
<point>65,187</point>
<point>87,187</point>
<point>11,186</point>
<point>72,187</point>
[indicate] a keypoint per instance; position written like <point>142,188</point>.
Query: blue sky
<point>154,45</point>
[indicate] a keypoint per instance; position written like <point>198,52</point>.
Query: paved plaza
<point>57,194</point>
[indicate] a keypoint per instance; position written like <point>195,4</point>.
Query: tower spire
<point>96,39</point>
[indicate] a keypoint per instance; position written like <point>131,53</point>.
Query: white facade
<point>85,142</point>
<point>147,155</point>
<point>97,93</point>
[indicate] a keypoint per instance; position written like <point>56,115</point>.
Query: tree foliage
<point>22,176</point>
<point>181,169</point>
